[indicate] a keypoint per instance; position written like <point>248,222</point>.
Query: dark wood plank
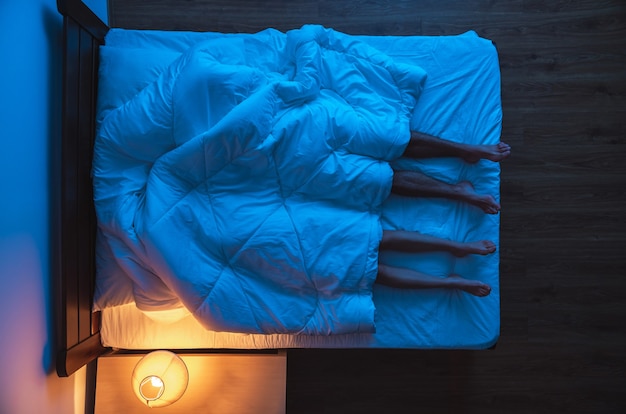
<point>85,242</point>
<point>69,270</point>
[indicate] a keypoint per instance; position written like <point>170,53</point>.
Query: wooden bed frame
<point>77,327</point>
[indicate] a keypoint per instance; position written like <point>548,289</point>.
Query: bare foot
<point>473,287</point>
<point>481,247</point>
<point>484,201</point>
<point>495,153</point>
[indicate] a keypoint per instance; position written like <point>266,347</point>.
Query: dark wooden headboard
<point>78,337</point>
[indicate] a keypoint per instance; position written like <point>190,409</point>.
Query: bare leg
<point>428,146</point>
<point>416,184</point>
<point>409,279</point>
<point>414,242</point>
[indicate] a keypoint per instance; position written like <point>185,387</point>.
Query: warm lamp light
<point>160,378</point>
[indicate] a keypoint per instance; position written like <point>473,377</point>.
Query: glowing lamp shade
<point>160,379</point>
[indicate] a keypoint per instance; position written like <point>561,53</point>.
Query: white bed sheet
<point>460,101</point>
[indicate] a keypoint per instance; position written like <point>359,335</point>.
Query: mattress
<point>460,101</point>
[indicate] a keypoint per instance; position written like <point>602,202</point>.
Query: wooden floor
<point>563,273</point>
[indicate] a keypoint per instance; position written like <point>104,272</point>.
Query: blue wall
<point>30,128</point>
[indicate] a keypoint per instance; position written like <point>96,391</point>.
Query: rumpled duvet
<point>246,183</point>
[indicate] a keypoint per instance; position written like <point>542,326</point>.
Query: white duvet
<point>246,183</point>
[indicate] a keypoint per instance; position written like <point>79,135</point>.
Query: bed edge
<point>77,329</point>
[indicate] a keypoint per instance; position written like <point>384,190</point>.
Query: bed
<point>451,89</point>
